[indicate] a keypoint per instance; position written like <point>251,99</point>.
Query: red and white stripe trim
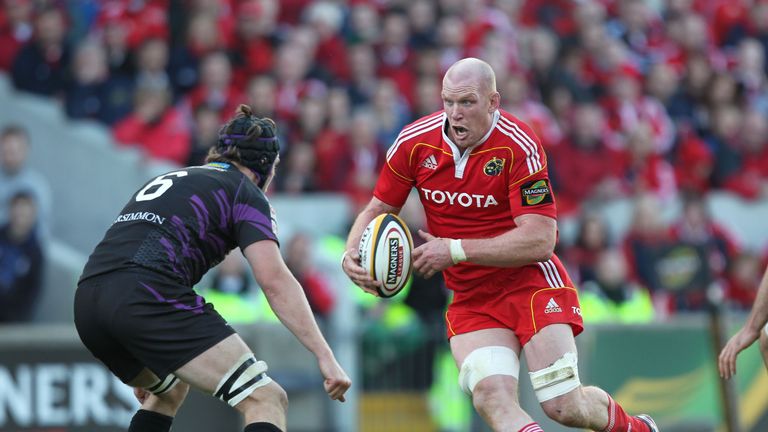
<point>417,128</point>
<point>510,129</point>
<point>551,273</point>
<point>533,427</point>
<point>611,415</point>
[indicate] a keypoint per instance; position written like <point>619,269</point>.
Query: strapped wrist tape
<point>457,252</point>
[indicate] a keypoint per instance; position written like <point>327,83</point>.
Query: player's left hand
<point>727,360</point>
<point>433,256</point>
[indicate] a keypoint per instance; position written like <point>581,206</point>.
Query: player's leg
<point>229,371</point>
<point>489,368</point>
<point>552,360</point>
<point>160,400</point>
<point>92,319</point>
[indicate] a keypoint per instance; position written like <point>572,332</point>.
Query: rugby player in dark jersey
<point>135,308</point>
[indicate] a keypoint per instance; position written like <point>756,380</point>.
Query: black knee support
<point>150,421</point>
<point>261,427</point>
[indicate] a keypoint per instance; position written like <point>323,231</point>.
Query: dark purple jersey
<point>184,222</point>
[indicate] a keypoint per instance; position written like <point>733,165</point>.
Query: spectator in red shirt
<point>15,29</point>
<point>113,27</point>
<point>748,176</point>
<point>584,168</point>
<point>395,55</point>
<point>331,146</point>
<point>742,280</point>
<point>519,102</point>
<point>326,18</point>
<point>216,88</point>
<point>628,107</point>
<point>254,41</point>
<point>644,170</point>
<point>155,126</point>
<point>366,156</point>
<point>298,258</point>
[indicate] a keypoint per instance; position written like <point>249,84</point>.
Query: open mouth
<point>460,132</point>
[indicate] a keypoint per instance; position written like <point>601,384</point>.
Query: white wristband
<point>457,252</point>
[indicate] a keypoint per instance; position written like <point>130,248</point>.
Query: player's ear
<point>495,101</point>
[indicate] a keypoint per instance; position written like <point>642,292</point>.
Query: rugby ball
<point>385,252</point>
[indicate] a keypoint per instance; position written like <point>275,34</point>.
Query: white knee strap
<point>486,361</point>
<point>558,379</point>
<point>163,386</point>
<point>242,379</point>
<point>765,329</point>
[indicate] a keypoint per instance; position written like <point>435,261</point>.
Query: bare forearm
<point>512,249</point>
<point>759,315</point>
<point>287,299</point>
<point>532,241</point>
<point>373,209</point>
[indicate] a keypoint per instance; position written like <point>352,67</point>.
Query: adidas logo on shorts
<point>552,306</point>
<point>430,162</point>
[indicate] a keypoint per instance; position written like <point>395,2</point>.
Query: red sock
<point>619,421</point>
<point>532,427</point>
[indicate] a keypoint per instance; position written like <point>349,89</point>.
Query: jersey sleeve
<point>396,178</point>
<point>529,187</point>
<point>253,218</point>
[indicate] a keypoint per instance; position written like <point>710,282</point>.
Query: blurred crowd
<point>660,102</point>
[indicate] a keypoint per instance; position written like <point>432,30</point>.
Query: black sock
<point>261,427</point>
<point>150,421</point>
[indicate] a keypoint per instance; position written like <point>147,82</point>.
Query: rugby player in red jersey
<point>482,178</point>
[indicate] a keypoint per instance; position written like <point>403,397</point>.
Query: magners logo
<point>395,268</point>
<point>536,192</point>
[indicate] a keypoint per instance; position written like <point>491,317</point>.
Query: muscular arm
<point>373,209</point>
<point>759,315</point>
<point>531,241</point>
<point>285,296</point>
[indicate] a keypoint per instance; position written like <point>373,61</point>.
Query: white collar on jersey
<point>459,159</point>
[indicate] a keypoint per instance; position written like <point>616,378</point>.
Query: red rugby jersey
<point>474,195</point>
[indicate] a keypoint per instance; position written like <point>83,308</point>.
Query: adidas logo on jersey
<point>430,162</point>
<point>552,306</point>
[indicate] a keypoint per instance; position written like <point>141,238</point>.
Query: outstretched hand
<point>433,256</point>
<point>740,341</point>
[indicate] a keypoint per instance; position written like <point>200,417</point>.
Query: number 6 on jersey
<point>162,183</point>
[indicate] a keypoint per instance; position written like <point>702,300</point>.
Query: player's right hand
<point>336,381</point>
<point>727,360</point>
<point>357,274</point>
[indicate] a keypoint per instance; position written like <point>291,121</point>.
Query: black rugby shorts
<point>132,319</point>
